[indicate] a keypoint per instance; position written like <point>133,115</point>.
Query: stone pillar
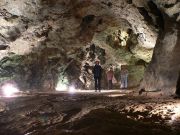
<point>162,72</point>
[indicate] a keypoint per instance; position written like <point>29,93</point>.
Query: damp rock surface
<point>89,113</point>
<point>51,38</point>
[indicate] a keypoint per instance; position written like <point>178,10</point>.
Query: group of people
<point>97,71</point>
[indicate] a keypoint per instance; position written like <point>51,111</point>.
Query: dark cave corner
<point>178,86</point>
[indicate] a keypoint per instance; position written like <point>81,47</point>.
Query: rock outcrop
<point>163,70</point>
<point>43,43</point>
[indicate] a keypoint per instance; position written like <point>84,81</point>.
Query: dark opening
<point>88,19</point>
<point>3,47</point>
<point>168,5</point>
<point>145,14</point>
<point>109,4</point>
<point>159,16</point>
<point>86,22</point>
<point>129,1</point>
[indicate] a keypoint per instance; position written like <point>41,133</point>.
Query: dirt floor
<point>89,113</point>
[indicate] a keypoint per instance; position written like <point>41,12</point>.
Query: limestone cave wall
<point>45,42</point>
<point>162,72</point>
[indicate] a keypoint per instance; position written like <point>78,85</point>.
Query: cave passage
<point>48,52</point>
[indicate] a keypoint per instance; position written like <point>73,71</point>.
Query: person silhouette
<point>97,71</point>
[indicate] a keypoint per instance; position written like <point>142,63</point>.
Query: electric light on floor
<point>61,87</point>
<point>9,90</point>
<point>72,89</point>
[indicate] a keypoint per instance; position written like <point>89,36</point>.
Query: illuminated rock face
<point>163,70</point>
<point>44,41</point>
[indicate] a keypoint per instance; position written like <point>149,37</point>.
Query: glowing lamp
<point>61,87</point>
<point>72,89</point>
<point>9,90</point>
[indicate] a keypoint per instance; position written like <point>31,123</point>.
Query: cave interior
<point>48,49</point>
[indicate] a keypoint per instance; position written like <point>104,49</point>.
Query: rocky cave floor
<point>111,113</point>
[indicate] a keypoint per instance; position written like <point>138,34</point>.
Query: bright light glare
<point>176,115</point>
<point>72,89</point>
<point>61,87</point>
<point>173,111</point>
<point>9,90</point>
<point>116,95</point>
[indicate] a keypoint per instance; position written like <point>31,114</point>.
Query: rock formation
<point>164,67</point>
<point>45,43</point>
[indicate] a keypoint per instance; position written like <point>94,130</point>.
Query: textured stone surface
<point>50,35</point>
<point>88,113</point>
<point>163,70</point>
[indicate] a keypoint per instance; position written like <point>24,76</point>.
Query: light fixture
<point>9,90</point>
<point>61,87</point>
<point>72,89</point>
